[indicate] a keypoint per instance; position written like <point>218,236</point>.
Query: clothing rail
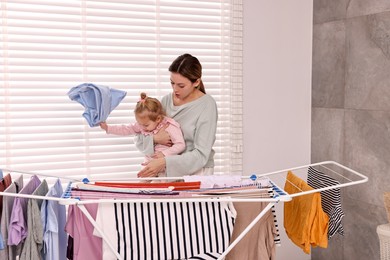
<point>361,178</point>
<point>350,177</point>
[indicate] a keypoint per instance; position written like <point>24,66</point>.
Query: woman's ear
<point>197,83</point>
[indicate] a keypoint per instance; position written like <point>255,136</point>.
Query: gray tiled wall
<point>351,114</point>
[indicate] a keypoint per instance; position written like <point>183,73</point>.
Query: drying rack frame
<point>280,195</point>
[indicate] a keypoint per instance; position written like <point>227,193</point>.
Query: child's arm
<point>130,129</point>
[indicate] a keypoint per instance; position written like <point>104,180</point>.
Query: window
<point>48,47</point>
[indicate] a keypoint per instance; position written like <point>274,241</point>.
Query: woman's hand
<point>157,155</point>
<point>152,168</point>
<point>162,137</point>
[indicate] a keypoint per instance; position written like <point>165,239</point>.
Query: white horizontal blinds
<point>203,28</point>
<point>120,50</point>
<point>236,61</point>
<point>50,46</point>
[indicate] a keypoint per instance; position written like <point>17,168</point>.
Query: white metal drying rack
<point>280,195</point>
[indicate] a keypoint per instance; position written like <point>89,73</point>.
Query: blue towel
<point>97,100</point>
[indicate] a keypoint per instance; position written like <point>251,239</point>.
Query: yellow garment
<point>305,222</point>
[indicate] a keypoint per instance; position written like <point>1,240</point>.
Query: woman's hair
<point>151,105</point>
<point>188,66</point>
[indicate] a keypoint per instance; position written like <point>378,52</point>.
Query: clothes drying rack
<point>276,179</point>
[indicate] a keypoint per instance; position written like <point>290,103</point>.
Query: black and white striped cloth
<point>277,234</point>
<point>166,230</point>
<point>330,199</point>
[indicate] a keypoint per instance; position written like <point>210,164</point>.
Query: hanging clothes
<point>259,242</point>
<point>18,221</point>
<point>4,184</point>
<point>9,251</point>
<point>165,230</point>
<point>85,244</point>
<point>330,199</point>
<point>305,222</point>
<point>53,217</point>
<point>203,241</point>
<point>33,244</point>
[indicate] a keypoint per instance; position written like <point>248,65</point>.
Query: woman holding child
<point>197,114</point>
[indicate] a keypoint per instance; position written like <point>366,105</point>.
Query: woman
<point>197,114</point>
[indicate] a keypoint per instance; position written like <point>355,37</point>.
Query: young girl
<point>150,117</point>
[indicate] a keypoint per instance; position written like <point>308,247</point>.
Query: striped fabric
<point>166,230</point>
<point>277,234</point>
<point>330,199</point>
<point>277,240</point>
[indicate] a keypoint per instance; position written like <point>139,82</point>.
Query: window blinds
<point>48,47</point>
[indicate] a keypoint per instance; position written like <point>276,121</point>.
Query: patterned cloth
<point>166,230</point>
<point>330,199</point>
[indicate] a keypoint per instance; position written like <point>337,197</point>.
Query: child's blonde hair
<point>151,105</point>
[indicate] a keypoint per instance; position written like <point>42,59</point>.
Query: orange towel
<point>305,222</point>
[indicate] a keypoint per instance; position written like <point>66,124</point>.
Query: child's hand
<point>157,155</point>
<point>104,126</point>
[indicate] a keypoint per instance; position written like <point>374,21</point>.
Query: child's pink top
<point>173,129</point>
